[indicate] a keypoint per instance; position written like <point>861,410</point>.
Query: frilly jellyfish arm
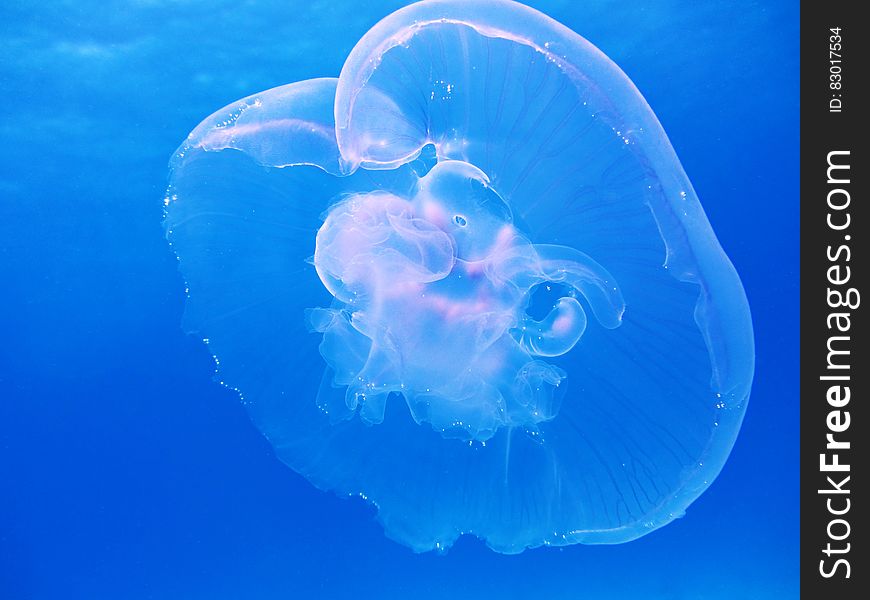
<point>557,333</point>
<point>563,327</point>
<point>386,319</point>
<point>374,241</point>
<point>574,268</point>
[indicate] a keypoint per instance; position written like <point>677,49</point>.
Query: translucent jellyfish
<point>469,281</point>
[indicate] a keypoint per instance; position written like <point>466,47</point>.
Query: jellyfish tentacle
<point>331,398</point>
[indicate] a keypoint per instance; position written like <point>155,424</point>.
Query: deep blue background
<point>125,472</point>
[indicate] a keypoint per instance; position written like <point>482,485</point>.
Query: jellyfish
<point>469,281</point>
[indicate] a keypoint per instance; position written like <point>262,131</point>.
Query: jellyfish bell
<point>469,280</point>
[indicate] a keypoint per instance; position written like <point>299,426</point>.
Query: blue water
<point>126,472</point>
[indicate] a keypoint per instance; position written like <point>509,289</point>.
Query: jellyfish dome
<point>469,281</point>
